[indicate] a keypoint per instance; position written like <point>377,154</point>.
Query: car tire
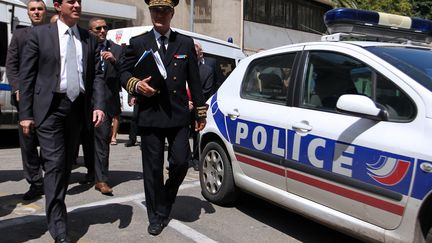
<point>216,175</point>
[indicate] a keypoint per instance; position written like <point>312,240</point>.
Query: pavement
<point>92,216</point>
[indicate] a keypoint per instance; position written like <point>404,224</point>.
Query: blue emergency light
<point>377,24</point>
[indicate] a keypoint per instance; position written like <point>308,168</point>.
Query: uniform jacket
<point>168,107</point>
<point>40,72</point>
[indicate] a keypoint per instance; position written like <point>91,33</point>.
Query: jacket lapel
<point>85,47</point>
<point>53,36</point>
<point>173,46</point>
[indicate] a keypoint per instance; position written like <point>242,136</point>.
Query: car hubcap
<point>213,171</point>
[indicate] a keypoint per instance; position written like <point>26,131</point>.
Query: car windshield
<point>415,62</point>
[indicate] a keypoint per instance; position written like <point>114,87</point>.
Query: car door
<point>255,121</point>
<point>358,166</point>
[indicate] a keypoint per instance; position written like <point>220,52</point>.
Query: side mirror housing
<point>362,106</point>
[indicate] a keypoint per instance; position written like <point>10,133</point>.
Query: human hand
<point>190,105</point>
<point>27,126</point>
<point>107,55</point>
<point>200,123</point>
<point>98,117</point>
<point>132,101</point>
<point>144,88</point>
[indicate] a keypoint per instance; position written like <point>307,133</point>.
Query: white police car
<point>338,131</point>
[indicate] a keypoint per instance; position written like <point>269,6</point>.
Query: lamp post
<point>192,7</point>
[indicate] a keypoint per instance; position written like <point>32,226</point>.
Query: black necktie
<point>102,48</point>
<point>162,45</point>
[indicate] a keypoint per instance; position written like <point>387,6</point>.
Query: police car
<point>339,131</point>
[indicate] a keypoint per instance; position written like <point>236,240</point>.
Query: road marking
<point>180,227</point>
<point>131,198</point>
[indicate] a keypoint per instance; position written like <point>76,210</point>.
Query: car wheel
<point>216,176</point>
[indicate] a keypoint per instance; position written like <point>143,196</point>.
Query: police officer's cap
<point>162,3</point>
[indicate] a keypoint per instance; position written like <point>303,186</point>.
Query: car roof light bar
<point>380,25</point>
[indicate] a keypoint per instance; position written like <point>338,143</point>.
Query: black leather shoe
<point>33,193</point>
<point>155,229</point>
<point>130,143</point>
<point>62,239</point>
<point>194,163</point>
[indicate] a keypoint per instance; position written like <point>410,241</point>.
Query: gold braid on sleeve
<point>131,84</point>
<point>202,111</point>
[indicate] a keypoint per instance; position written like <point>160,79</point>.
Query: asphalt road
<point>94,217</point>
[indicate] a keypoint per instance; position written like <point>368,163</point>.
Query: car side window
<point>267,79</point>
<point>330,75</point>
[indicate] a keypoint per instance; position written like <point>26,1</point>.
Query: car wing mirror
<point>363,106</point>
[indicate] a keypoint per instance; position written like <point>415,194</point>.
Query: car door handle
<point>302,126</point>
<point>234,114</point>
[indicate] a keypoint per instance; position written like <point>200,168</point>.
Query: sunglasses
<point>100,27</point>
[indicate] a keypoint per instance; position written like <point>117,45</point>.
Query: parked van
<point>227,55</point>
<point>13,15</point>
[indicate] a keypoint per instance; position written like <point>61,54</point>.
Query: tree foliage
<point>422,9</point>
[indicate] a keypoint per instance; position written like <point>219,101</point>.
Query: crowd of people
<point>65,84</point>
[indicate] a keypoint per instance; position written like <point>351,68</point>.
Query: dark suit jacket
<point>207,80</point>
<point>112,80</point>
<point>169,107</point>
<point>13,59</point>
<point>40,72</point>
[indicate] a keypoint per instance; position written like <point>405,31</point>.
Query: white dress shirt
<point>63,41</point>
<point>158,35</point>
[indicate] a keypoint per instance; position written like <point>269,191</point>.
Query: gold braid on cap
<point>131,84</point>
<point>168,3</point>
<point>202,111</point>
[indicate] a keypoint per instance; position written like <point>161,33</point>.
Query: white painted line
<point>135,197</point>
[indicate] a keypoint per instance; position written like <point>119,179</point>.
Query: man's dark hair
<point>93,20</point>
<point>57,1</point>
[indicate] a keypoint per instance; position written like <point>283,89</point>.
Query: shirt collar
<point>62,28</point>
<point>158,35</point>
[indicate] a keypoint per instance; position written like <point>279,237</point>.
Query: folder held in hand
<point>150,64</point>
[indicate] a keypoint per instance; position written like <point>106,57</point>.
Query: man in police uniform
<point>163,112</point>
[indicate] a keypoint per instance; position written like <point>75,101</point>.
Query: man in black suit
<point>32,164</point>
<point>100,137</point>
<point>163,111</point>
<point>60,80</point>
<point>207,83</point>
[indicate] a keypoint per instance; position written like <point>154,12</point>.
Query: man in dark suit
<point>100,137</point>
<point>163,111</point>
<point>60,79</point>
<point>32,165</point>
<point>207,82</point>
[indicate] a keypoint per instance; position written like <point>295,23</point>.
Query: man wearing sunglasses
<point>163,111</point>
<point>96,141</point>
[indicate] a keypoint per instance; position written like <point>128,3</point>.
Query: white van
<point>227,55</point>
<point>13,15</point>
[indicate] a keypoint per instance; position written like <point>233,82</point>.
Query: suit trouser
<point>133,129</point>
<point>32,163</point>
<point>58,137</point>
<point>159,196</point>
<point>102,139</point>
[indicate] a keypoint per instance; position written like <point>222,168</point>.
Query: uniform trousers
<point>58,137</point>
<point>160,196</point>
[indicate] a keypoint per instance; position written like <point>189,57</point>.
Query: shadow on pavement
<point>115,179</point>
<point>11,175</point>
<point>275,217</point>
<point>188,209</point>
<point>79,221</point>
